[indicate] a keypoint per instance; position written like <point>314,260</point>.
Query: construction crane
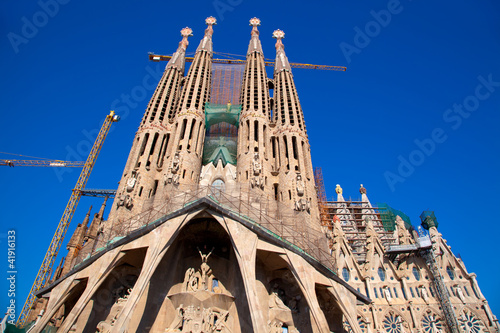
<point>156,57</point>
<point>46,267</point>
<point>42,163</point>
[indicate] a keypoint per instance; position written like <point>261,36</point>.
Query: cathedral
<point>218,225</point>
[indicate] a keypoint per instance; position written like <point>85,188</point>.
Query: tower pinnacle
<point>255,45</point>
<point>178,59</point>
<point>281,59</point>
<point>206,42</point>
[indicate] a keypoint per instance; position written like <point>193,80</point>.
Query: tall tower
<point>254,149</point>
<point>190,118</point>
<point>291,150</point>
<point>152,147</point>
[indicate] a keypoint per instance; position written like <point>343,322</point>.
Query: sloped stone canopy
<point>172,246</point>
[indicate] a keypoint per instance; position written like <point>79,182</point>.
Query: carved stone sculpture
<point>302,205</point>
<point>202,320</point>
<point>300,185</point>
<point>125,200</point>
<point>176,163</point>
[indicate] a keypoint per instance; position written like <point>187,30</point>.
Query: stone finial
<point>210,21</point>
<point>279,35</point>
<point>362,190</point>
<point>338,189</point>
<point>254,22</point>
<point>185,33</point>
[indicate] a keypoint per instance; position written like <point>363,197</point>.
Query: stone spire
<point>281,63</point>
<point>187,149</point>
<point>152,147</point>
<point>254,166</point>
<point>178,60</point>
<point>296,178</point>
<point>255,45</point>
<point>75,243</point>
<point>206,42</point>
<point>96,222</point>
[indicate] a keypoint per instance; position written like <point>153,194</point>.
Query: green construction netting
<point>222,113</point>
<point>220,148</point>
<point>221,121</point>
<point>388,217</point>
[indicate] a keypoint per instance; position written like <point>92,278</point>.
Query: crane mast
<point>50,257</point>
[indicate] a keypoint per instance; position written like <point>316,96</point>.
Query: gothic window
<point>345,274</point>
<point>470,323</point>
<point>432,324</point>
<point>375,291</point>
<point>411,291</point>
<point>362,325</point>
<point>393,323</point>
<point>396,292</point>
<point>466,291</point>
<point>450,272</point>
<point>416,273</point>
<point>219,184</point>
<point>381,274</point>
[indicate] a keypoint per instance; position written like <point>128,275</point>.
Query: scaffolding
<point>388,216</point>
<point>267,215</point>
<point>353,217</point>
<point>226,83</point>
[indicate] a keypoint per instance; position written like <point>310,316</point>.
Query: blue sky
<point>414,119</point>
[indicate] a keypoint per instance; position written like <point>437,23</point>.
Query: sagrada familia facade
<point>216,226</point>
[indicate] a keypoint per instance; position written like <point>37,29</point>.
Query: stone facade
<point>190,246</point>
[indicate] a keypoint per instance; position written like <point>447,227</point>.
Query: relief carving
<point>300,185</point>
<point>121,295</point>
<point>202,320</point>
<point>302,205</point>
<point>257,180</point>
<point>125,200</point>
<point>172,176</point>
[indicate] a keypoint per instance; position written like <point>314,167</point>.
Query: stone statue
<point>300,185</point>
<point>125,200</point>
<point>205,269</point>
<point>131,183</point>
<point>425,296</point>
<point>176,163</point>
<point>302,205</point>
<point>460,293</point>
<point>276,302</point>
<point>257,167</point>
<point>338,189</point>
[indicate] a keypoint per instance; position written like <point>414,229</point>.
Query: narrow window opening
<point>190,135</point>
<point>155,187</point>
<point>151,151</point>
<point>184,174</point>
<point>276,192</point>
<point>289,195</point>
<point>294,146</point>
<point>256,131</point>
<point>183,129</point>
<point>140,190</point>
